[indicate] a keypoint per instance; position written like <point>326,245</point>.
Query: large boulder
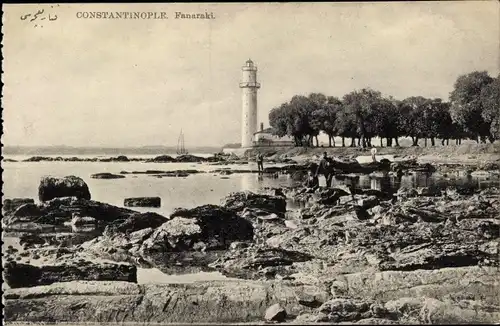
<point>135,222</point>
<point>25,275</point>
<point>70,186</point>
<point>202,228</point>
<point>188,239</point>
<point>238,201</point>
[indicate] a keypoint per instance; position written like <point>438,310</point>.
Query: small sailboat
<point>181,150</point>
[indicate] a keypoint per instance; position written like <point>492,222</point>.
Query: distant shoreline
<point>164,158</point>
<point>70,150</point>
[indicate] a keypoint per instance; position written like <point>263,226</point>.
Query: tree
<point>360,107</point>
<point>293,119</point>
<point>301,110</point>
<point>412,118</point>
<point>490,100</point>
<point>444,127</point>
<point>436,119</point>
<point>279,120</point>
<point>330,112</point>
<point>317,119</point>
<point>467,105</point>
<point>473,112</point>
<point>384,121</point>
<point>345,125</point>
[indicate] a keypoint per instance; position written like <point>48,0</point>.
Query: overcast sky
<point>82,82</point>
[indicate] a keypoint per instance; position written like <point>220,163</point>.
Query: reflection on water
<point>21,179</point>
<point>154,275</point>
<point>249,181</point>
<point>254,182</point>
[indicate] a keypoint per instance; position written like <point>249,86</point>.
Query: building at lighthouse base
<point>267,138</point>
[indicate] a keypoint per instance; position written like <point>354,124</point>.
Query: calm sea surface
<point>21,179</point>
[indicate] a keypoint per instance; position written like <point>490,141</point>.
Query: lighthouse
<point>249,87</point>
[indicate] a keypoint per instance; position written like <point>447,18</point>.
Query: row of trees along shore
<point>472,112</point>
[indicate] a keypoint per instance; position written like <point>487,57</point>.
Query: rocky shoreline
<point>343,164</point>
<point>347,256</point>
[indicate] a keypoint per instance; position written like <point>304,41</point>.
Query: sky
<point>133,82</point>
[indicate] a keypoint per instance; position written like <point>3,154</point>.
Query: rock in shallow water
<point>106,175</point>
<point>213,225</point>
<point>25,275</point>
<point>60,210</point>
<point>70,186</point>
<point>238,201</point>
<point>142,202</point>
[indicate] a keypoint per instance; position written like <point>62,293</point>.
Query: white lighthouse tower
<point>249,87</point>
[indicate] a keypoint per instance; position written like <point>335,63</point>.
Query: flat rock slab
<point>457,300</point>
<point>480,283</point>
<point>103,302</point>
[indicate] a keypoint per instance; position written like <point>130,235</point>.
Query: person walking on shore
<point>324,169</point>
<point>260,162</point>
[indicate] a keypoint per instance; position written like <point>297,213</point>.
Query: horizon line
<point>106,146</point>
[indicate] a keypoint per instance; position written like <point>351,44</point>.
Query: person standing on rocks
<point>260,162</point>
<point>324,168</point>
<point>374,152</point>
